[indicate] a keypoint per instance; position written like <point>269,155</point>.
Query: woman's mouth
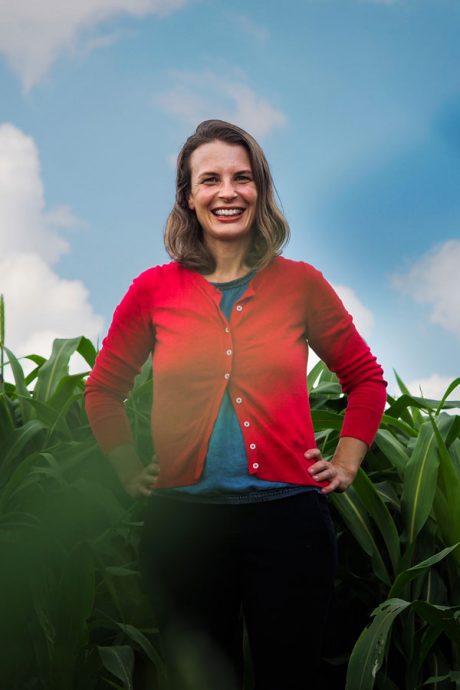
<point>234,212</point>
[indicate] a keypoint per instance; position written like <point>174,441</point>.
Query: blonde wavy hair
<point>183,234</point>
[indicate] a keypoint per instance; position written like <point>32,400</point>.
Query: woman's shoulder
<point>292,268</point>
<point>158,275</point>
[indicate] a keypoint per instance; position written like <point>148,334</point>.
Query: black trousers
<point>205,566</point>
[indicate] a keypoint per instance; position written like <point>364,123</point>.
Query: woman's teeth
<point>228,211</point>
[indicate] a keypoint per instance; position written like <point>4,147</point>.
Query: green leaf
<point>451,387</point>
<point>440,617</point>
<point>19,479</point>
<point>56,367</point>
<point>393,449</point>
<point>64,393</point>
<point>369,650</point>
<point>447,499</point>
<point>87,350</point>
<point>454,676</point>
<point>420,482</point>
<point>20,439</point>
<point>119,660</point>
<point>411,573</point>
<point>380,514</point>
<point>389,422</point>
<point>7,421</point>
<point>314,374</point>
<point>323,419</point>
<point>20,383</point>
<point>355,517</point>
<point>144,643</point>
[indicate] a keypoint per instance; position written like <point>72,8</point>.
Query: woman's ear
<point>190,202</point>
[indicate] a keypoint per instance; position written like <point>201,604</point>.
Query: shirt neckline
<point>236,282</point>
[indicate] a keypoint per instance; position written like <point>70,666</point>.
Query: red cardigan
<point>260,355</point>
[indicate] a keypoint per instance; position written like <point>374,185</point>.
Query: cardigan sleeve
<point>124,350</point>
<point>333,336</point>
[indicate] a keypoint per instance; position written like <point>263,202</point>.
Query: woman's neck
<point>230,262</point>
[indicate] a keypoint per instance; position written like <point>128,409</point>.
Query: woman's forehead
<point>217,155</point>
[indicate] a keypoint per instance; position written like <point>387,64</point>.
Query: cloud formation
<point>362,316</point>
<point>433,386</point>
<point>34,34</point>
<point>433,280</point>
<point>197,96</point>
<point>39,304</point>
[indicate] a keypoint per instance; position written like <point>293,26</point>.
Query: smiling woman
<point>223,195</point>
<point>237,522</point>
<point>242,174</point>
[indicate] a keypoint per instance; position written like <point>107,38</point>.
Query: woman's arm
<point>137,479</point>
<point>333,336</point>
<point>341,470</point>
<point>128,343</point>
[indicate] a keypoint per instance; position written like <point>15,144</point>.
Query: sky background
<point>355,102</point>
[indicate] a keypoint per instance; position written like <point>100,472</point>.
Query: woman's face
<point>223,192</point>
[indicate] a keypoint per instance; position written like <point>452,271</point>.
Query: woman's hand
<point>342,469</point>
<point>137,479</point>
<point>143,482</point>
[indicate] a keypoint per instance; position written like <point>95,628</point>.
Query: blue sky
<point>355,102</point>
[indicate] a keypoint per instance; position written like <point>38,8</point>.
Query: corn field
<point>73,612</point>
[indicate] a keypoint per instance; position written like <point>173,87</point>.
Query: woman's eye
<point>245,178</point>
<point>209,180</point>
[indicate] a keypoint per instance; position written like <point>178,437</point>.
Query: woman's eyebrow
<point>204,174</point>
<point>212,172</point>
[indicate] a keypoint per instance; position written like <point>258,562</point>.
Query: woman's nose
<point>227,189</point>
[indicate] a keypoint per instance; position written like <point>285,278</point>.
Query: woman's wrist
<point>126,462</point>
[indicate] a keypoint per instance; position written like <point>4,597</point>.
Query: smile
<point>228,211</point>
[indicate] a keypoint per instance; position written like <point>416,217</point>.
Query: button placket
<point>228,350</point>
<point>246,424</point>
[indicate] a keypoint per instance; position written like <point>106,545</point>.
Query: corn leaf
<point>411,573</point>
<point>119,660</point>
<point>144,643</point>
<point>393,449</point>
<point>380,514</point>
<point>55,368</point>
<point>420,482</point>
<point>356,518</point>
<point>368,652</point>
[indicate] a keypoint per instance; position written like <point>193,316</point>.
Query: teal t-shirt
<point>225,476</point>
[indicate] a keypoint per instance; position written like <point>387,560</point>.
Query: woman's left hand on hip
<point>338,476</point>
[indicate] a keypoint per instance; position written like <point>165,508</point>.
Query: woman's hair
<point>183,234</point>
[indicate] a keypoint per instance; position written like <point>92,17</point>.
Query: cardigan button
<point>255,465</point>
<point>253,446</point>
<point>246,423</point>
<point>227,330</point>
<point>239,400</point>
<point>239,308</point>
<point>226,375</point>
<point>229,352</point>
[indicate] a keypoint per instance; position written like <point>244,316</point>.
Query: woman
<point>237,523</point>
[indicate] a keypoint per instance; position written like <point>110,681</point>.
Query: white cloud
<point>22,199</point>
<point>34,33</point>
<point>197,96</point>
<point>39,304</point>
<point>362,316</point>
<point>433,280</point>
<point>433,387</point>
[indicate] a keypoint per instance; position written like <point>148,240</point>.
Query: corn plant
<point>403,511</point>
<point>74,614</point>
